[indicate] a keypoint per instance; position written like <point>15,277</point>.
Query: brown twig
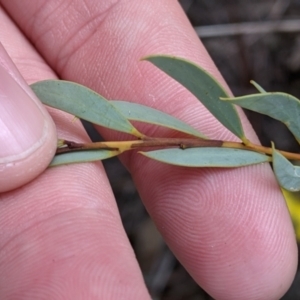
<point>122,146</point>
<point>70,146</point>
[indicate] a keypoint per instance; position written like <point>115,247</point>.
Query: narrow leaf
<point>203,86</point>
<point>207,157</point>
<point>293,202</point>
<point>288,175</point>
<point>83,103</point>
<point>82,156</point>
<point>138,112</point>
<point>280,106</point>
<point>258,87</point>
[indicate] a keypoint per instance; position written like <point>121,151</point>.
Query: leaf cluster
<point>195,151</point>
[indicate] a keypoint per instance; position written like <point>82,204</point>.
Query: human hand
<point>61,235</point>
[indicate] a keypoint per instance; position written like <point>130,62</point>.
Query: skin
<point>61,234</point>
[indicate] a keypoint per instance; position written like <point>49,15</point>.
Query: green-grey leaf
<point>208,157</point>
<point>138,112</point>
<point>82,156</point>
<point>203,86</point>
<point>258,87</point>
<point>83,103</point>
<point>280,106</point>
<point>288,175</point>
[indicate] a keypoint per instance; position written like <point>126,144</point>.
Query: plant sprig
<point>195,151</point>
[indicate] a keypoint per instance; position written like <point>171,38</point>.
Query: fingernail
<point>27,132</point>
<point>22,123</point>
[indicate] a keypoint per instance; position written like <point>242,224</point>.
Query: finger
<point>61,235</point>
<point>230,228</point>
<point>28,134</point>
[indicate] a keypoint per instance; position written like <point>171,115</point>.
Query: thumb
<point>27,132</point>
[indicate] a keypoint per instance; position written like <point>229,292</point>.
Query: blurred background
<point>260,40</point>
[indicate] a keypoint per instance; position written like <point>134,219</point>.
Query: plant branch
<point>69,146</point>
<point>184,143</point>
<point>261,149</point>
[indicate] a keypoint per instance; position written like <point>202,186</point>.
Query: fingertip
<point>28,134</point>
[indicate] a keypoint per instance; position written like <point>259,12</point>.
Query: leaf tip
<point>142,153</point>
<point>257,86</point>
<point>147,57</point>
<point>272,145</point>
<point>151,57</point>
